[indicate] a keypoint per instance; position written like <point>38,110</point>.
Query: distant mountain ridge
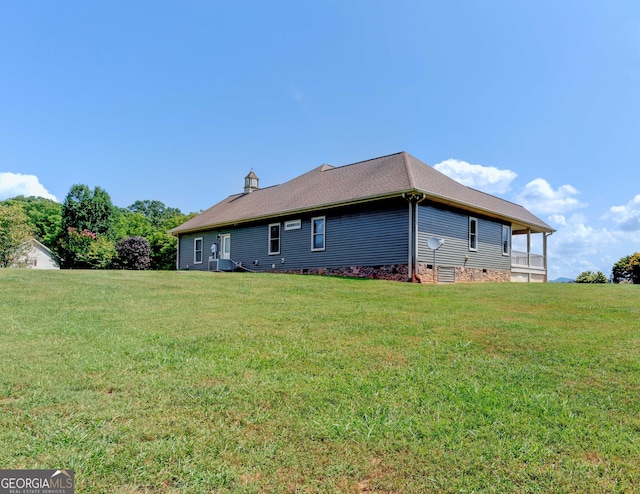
<point>562,280</point>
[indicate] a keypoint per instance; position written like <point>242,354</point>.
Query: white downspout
<point>529,255</point>
<point>544,251</point>
<point>417,244</point>
<point>409,237</point>
<point>178,255</point>
<point>412,237</point>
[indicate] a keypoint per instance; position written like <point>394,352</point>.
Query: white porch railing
<point>523,260</point>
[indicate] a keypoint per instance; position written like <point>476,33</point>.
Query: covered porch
<point>526,266</point>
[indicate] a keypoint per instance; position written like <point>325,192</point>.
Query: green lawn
<point>201,382</point>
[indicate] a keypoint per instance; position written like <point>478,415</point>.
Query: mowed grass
<point>202,382</point>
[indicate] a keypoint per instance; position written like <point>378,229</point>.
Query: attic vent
<point>250,182</point>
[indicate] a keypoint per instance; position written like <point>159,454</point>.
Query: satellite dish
<point>434,243</point>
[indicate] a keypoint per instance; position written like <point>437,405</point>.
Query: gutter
<point>412,235</point>
<point>288,212</point>
<point>178,254</point>
<point>434,197</point>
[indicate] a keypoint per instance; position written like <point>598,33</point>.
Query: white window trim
<point>507,229</point>
<point>222,245</point>
<point>473,219</point>
<point>324,234</point>
<point>195,250</point>
<point>274,253</point>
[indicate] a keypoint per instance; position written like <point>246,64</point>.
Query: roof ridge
<point>364,161</point>
<point>408,169</point>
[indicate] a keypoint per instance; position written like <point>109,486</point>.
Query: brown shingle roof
<point>328,186</point>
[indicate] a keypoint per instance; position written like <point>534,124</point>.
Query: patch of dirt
<point>592,457</point>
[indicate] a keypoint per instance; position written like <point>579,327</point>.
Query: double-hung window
<point>274,238</point>
<point>473,233</point>
<point>317,233</point>
<point>506,233</point>
<point>197,250</point>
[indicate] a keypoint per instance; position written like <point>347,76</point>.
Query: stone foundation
<point>392,272</point>
<point>399,272</point>
<point>467,275</point>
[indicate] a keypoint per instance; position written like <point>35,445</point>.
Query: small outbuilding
<point>36,255</point>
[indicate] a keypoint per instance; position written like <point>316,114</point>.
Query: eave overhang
<point>288,212</point>
<point>517,224</point>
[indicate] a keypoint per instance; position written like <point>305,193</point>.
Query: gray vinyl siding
<point>356,236</point>
<point>453,227</point>
<point>186,249</point>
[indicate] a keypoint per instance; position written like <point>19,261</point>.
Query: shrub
<point>100,254</point>
<point>133,253</point>
<point>164,248</point>
<point>591,277</point>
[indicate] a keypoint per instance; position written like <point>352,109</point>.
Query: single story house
<point>392,217</point>
<point>35,255</point>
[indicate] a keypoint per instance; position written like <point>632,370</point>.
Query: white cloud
<point>15,184</point>
<point>574,238</point>
<point>539,197</point>
<point>486,178</point>
<point>576,247</point>
<point>627,217</point>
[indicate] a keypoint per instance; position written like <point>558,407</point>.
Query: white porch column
<point>529,254</point>
<point>410,243</point>
<point>544,253</point>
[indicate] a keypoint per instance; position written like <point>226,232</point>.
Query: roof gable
<point>36,244</point>
<point>327,186</point>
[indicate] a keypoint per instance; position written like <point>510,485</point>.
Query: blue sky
<point>537,102</point>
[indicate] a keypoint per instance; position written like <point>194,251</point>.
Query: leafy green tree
<point>44,215</point>
<point>634,266</point>
<point>130,224</point>
<point>164,246</point>
<point>627,269</point>
<point>152,220</point>
<point>88,250</point>
<point>619,271</point>
<point>87,215</point>
<point>14,232</point>
<point>591,277</point>
<point>155,211</point>
<point>76,245</point>
<point>86,209</point>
